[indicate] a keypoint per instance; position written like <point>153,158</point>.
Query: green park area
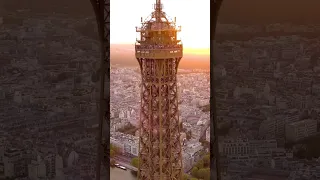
<point>135,162</point>
<point>201,170</point>
<point>113,152</point>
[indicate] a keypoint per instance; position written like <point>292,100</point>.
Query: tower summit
<point>159,52</point>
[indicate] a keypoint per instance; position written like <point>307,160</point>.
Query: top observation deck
<point>158,51</point>
<point>158,37</point>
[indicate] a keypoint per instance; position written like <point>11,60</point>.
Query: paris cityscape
<point>267,88</point>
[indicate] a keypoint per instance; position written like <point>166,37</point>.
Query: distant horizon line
<point>134,43</point>
<point>203,51</point>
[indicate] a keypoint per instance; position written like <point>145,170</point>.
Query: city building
<point>37,169</point>
<point>191,155</point>
<point>302,129</point>
<point>127,144</point>
<point>245,147</point>
<point>14,164</point>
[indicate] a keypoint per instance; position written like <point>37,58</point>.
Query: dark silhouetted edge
<point>102,12</point>
<point>214,150</point>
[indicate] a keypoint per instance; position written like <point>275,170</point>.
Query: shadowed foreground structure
<point>159,53</point>
<point>102,12</point>
<point>214,145</point>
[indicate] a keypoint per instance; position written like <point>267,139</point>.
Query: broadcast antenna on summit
<point>158,10</point>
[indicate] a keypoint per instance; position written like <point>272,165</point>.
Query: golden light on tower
<point>159,52</point>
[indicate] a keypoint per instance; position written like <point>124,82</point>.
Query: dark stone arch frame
<point>102,12</point>
<point>215,170</point>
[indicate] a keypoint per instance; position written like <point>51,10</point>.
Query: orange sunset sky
<point>192,15</point>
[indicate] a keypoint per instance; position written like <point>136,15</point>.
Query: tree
<point>200,164</point>
<point>113,150</point>
<point>194,171</point>
<point>193,179</point>
<point>135,162</point>
<point>112,153</point>
<point>185,177</point>
<point>206,174</point>
<point>203,173</point>
<point>206,160</point>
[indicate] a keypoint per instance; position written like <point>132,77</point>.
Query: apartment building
<point>302,129</point>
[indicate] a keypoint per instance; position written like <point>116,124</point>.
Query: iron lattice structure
<point>159,131</point>
<point>159,52</point>
<point>102,12</point>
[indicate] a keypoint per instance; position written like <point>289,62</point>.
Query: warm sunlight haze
<point>192,15</point>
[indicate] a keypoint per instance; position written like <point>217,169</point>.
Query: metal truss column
<point>102,12</point>
<point>160,155</point>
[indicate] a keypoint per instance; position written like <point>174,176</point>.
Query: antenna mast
<point>158,10</point>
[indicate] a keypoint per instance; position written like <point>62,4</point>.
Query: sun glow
<point>192,15</point>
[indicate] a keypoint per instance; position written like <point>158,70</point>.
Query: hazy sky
<point>192,15</point>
